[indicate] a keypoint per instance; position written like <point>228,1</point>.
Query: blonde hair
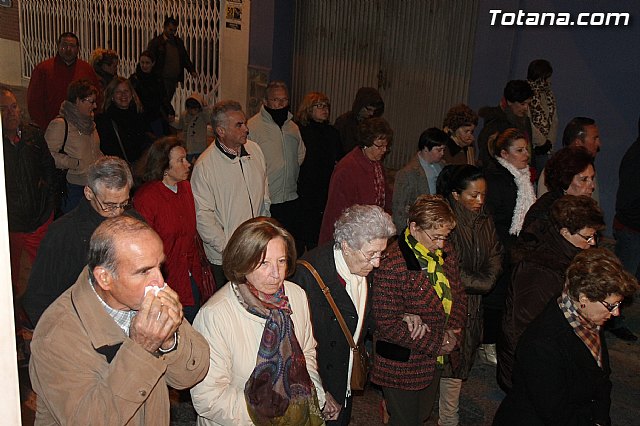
<point>304,114</point>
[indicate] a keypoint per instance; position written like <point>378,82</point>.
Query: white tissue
<point>154,288</point>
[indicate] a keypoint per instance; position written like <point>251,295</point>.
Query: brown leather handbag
<point>360,369</point>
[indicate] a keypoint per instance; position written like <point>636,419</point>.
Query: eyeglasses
<point>382,147</point>
<point>111,207</point>
<point>435,237</point>
<point>590,239</point>
<point>611,307</point>
<point>374,257</point>
<point>89,101</point>
<point>322,105</point>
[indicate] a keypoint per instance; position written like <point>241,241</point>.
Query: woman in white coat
<point>263,366</point>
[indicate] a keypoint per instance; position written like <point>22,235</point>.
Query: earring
<point>165,173</point>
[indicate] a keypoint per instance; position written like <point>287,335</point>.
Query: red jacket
<point>173,217</point>
<point>48,87</point>
<point>351,183</point>
<point>399,287</point>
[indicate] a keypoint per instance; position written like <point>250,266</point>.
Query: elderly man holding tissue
<point>105,351</point>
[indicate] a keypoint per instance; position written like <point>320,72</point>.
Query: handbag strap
<point>115,129</point>
<point>327,294</point>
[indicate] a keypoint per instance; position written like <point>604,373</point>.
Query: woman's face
<point>517,154</point>
<point>598,312</point>
<point>86,106</point>
<point>270,273</point>
<point>472,198</point>
<point>376,151</point>
<point>583,183</point>
<point>583,239</point>
<point>320,111</point>
<point>178,166</point>
<point>464,135</point>
<point>362,261</point>
<point>432,239</point>
<point>111,68</point>
<point>122,96</point>
<point>146,64</point>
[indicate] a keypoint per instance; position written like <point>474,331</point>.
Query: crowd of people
<point>151,251</point>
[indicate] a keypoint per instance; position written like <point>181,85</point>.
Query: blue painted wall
<point>596,72</point>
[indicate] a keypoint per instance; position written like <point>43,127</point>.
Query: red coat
<point>48,87</point>
<point>399,287</point>
<point>173,217</point>
<point>351,183</point>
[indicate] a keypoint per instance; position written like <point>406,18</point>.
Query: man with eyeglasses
<point>273,129</point>
<point>63,251</point>
<point>50,79</point>
<point>30,186</point>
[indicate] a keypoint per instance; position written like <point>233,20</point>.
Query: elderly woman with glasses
<point>561,373</point>
<point>322,141</point>
<point>345,265</point>
<point>420,276</point>
<point>359,178</point>
<point>263,366</point>
<point>540,261</point>
<point>73,139</point>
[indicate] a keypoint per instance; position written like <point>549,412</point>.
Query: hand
<point>157,320</point>
<point>331,409</point>
<point>449,341</point>
<point>416,327</point>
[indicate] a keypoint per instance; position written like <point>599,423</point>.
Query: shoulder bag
<point>360,369</point>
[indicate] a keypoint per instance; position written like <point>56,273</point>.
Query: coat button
<point>332,344</point>
<point>142,392</point>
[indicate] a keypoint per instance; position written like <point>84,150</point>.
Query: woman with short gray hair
<point>344,264</point>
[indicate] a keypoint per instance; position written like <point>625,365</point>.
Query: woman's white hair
<point>360,224</point>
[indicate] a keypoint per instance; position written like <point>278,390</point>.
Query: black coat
<point>60,258</point>
<point>158,47</point>
<point>540,263</point>
<point>322,141</point>
<point>502,193</point>
<point>29,180</point>
<point>131,132</point>
<point>556,380</point>
<point>333,349</point>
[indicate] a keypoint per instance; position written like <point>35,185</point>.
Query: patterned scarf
<point>588,332</point>
<point>378,181</point>
<point>526,195</point>
<point>279,390</point>
<point>542,115</point>
<point>432,264</point>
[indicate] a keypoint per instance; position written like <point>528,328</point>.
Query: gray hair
<point>102,247</point>
<point>219,112</point>
<point>109,172</point>
<point>360,224</point>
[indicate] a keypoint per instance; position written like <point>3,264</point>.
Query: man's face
<point>520,109</point>
<point>234,134</point>
<point>435,155</point>
<point>170,31</point>
<point>366,112</point>
<point>277,98</point>
<point>10,113</point>
<point>68,49</point>
<point>108,202</point>
<point>139,260</point>
<point>590,140</point>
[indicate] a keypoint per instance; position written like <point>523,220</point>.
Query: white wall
<point>234,55</point>
<point>10,401</point>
